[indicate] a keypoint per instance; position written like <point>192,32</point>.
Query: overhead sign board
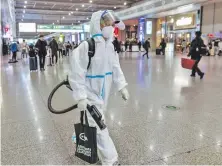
<point>58,28</point>
<point>27,27</point>
<point>86,27</point>
<point>185,21</point>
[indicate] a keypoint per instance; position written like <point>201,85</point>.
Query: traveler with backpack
<point>95,67</point>
<point>54,47</point>
<point>41,46</point>
<point>197,45</point>
<point>146,46</point>
<point>14,49</point>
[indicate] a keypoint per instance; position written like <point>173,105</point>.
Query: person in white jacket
<point>93,86</point>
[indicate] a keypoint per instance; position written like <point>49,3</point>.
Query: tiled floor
<point>142,130</point>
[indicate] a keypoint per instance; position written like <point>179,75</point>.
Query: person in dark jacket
<point>32,52</point>
<point>146,46</point>
<point>68,47</point>
<point>126,45</point>
<point>130,46</point>
<point>41,46</point>
<point>139,45</point>
<point>54,47</point>
<point>163,46</point>
<point>14,49</point>
<point>116,45</point>
<point>195,52</point>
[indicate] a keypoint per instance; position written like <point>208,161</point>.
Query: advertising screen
<point>149,27</point>
<point>27,27</point>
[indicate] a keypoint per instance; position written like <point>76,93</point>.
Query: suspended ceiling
<point>65,11</point>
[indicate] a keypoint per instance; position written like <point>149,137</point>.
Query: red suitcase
<point>187,63</point>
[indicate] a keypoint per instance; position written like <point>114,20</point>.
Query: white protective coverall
<point>95,83</point>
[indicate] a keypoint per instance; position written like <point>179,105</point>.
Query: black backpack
<point>91,51</point>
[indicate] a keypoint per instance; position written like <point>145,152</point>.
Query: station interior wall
<point>210,11</point>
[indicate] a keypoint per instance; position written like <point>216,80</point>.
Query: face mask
<point>107,32</point>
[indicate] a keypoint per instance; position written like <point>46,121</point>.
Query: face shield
<point>108,18</point>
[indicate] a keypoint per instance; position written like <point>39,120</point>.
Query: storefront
<point>8,25</point>
<point>177,28</point>
<point>129,34</point>
<point>212,21</point>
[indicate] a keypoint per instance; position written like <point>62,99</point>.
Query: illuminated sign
<point>58,28</point>
<point>27,27</point>
<point>86,27</point>
<point>141,29</point>
<point>210,35</point>
<point>184,21</point>
<point>149,27</point>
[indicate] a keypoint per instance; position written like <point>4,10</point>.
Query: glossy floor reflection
<point>144,131</point>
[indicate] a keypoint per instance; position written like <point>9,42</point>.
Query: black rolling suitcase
<point>220,53</point>
<point>33,63</point>
<point>158,51</point>
<point>64,52</point>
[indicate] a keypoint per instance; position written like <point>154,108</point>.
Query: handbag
<point>86,141</point>
<point>187,63</point>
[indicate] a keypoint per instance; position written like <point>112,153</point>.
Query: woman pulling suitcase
<point>33,64</point>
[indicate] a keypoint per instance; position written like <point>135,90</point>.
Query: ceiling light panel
<point>82,9</point>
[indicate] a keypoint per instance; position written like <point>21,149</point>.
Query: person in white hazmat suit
<point>93,86</point>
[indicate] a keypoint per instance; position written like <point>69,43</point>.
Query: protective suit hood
<point>95,25</point>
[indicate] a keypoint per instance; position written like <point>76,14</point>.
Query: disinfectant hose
<point>66,83</point>
<point>96,115</point>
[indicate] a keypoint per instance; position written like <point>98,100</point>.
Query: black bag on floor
<point>63,52</point>
<point>158,51</point>
<point>33,63</point>
<point>220,53</point>
<point>86,143</point>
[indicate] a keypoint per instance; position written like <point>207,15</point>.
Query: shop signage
<point>186,21</point>
<point>210,35</point>
<point>58,28</point>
